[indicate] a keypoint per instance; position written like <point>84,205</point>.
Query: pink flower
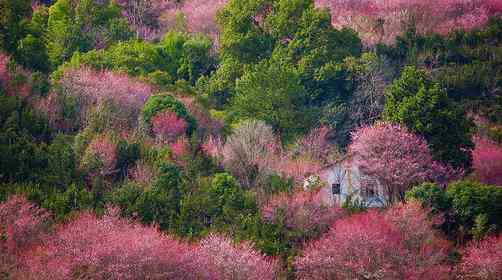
<point>398,244</point>
<point>100,156</point>
<point>168,126</point>
<point>237,262</point>
<point>397,158</point>
<point>114,248</point>
<point>301,211</point>
<point>487,161</point>
<point>483,260</point>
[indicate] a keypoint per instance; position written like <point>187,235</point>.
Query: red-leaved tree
<point>88,247</point>
<point>237,262</point>
<point>396,158</point>
<point>487,161</point>
<point>482,260</point>
<point>398,244</point>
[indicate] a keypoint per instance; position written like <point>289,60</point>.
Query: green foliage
<point>31,51</point>
<point>274,94</point>
<point>469,208</point>
<point>13,20</point>
<point>82,26</point>
<point>421,105</point>
<point>61,160</point>
<point>177,56</point>
<point>24,156</point>
<point>73,199</point>
<point>158,204</point>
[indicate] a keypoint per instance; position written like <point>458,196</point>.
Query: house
<point>341,182</point>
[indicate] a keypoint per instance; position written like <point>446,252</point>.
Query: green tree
<point>421,105</point>
<point>81,26</point>
<point>274,94</point>
<point>13,19</point>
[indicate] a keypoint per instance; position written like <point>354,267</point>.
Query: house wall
<point>349,177</point>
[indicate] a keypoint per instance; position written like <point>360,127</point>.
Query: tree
<point>273,93</point>
<point>166,103</point>
<point>381,21</point>
<point>13,18</point>
<point>396,158</point>
<point>116,98</point>
<point>399,244</point>
<point>416,102</point>
<point>237,262</point>
<point>100,157</point>
<point>482,260</point>
<point>303,215</point>
<point>114,248</point>
<point>249,150</point>
<point>81,26</point>
<point>167,126</point>
<point>487,161</point>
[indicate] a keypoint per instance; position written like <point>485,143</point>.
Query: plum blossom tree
<point>396,158</point>
<point>236,262</point>
<point>167,126</point>
<point>375,245</point>
<point>98,91</point>
<point>482,260</point>
<point>487,161</point>
<point>200,16</point>
<point>303,213</point>
<point>143,16</point>
<point>22,225</point>
<point>110,247</point>
<point>381,21</point>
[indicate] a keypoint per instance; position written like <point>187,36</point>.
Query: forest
<point>184,139</point>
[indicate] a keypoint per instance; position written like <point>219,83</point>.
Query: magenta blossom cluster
<point>482,260</point>
<point>397,244</point>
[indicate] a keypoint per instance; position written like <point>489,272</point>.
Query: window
<point>335,188</point>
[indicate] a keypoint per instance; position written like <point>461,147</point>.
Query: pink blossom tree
<point>381,21</point>
<point>167,126</point>
<point>487,161</point>
<point>315,145</point>
<point>200,16</point>
<point>372,245</point>
<point>22,225</point>
<point>117,94</point>
<point>237,262</point>
<point>396,158</point>
<point>482,260</point>
<point>88,247</point>
<point>302,212</point>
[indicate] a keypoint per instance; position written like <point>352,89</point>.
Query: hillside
<point>251,139</point>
